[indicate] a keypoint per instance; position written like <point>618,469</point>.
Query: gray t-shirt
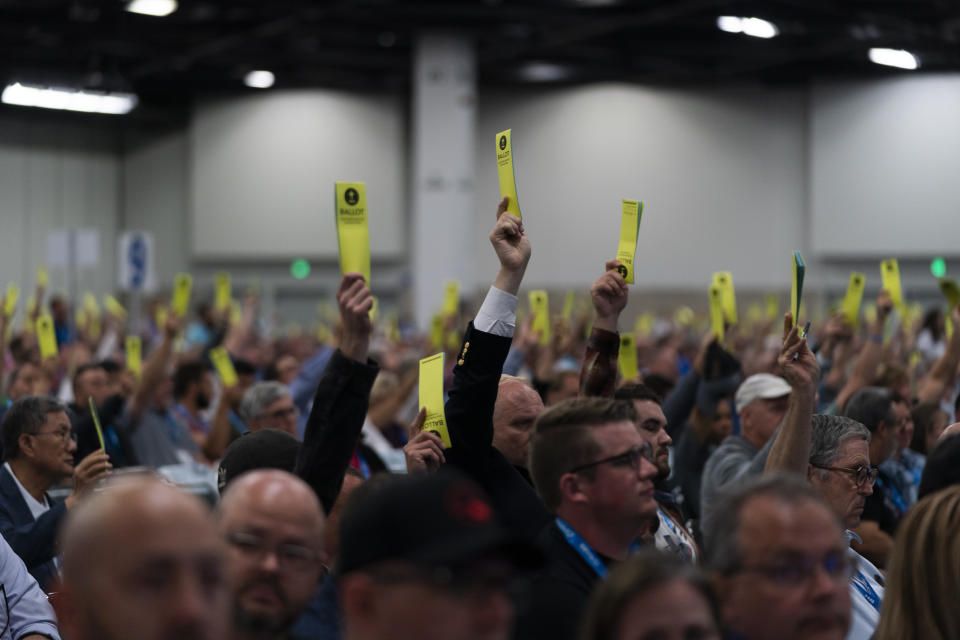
<point>157,440</point>
<point>734,459</point>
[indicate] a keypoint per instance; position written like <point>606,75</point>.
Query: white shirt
<point>498,313</point>
<point>37,509</point>
<point>866,616</point>
<point>394,459</point>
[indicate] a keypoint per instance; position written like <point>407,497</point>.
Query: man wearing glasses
<point>269,405</point>
<point>840,469</point>
<point>779,561</point>
<point>39,446</point>
<point>273,525</point>
<point>594,471</point>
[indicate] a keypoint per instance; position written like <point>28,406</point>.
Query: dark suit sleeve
<point>36,541</point>
<point>333,428</point>
<point>469,413</point>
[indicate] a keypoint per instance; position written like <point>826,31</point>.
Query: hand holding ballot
<point>798,364</point>
<point>355,302</point>
<point>609,296</point>
<point>424,449</point>
<point>87,473</point>
<point>512,247</point>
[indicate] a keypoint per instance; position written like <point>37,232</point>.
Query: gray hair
<point>257,398</point>
<point>829,433</point>
<point>870,406</point>
<point>26,415</point>
<point>721,530</point>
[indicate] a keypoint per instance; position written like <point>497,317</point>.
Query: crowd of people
<point>769,483</point>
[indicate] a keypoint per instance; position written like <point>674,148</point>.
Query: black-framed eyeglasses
<point>289,556</point>
<point>64,435</point>
<point>793,572</point>
<point>629,458</point>
<point>862,475</point>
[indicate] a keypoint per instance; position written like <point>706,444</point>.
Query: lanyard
<point>580,546</point>
<point>866,590</point>
<point>894,496</point>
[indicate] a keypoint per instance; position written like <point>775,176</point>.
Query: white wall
<point>722,174</point>
<point>263,168</point>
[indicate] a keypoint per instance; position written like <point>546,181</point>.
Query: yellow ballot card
<point>353,235</point>
<point>890,277</point>
<point>46,336</point>
<point>223,291</point>
<point>773,306</point>
<point>113,306</point>
<point>374,312</point>
<point>568,301</point>
<point>182,284</point>
<point>724,280</point>
<point>436,331</point>
<point>224,366</point>
<point>10,302</point>
<point>716,312</point>
<point>754,313</point>
<point>431,396</point>
<point>540,310</point>
<point>236,313</point>
<point>644,324</point>
<point>505,172</point>
<point>96,423</point>
<point>853,298</point>
<point>951,291</point>
<point>42,278</point>
<point>630,215</point>
<point>796,289</point>
<point>451,298</point>
<point>134,355</point>
<point>90,304</point>
<point>628,357</point>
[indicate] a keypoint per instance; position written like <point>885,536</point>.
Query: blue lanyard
<point>895,497</point>
<point>863,586</point>
<point>580,546</point>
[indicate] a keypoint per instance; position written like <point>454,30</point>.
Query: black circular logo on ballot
<point>351,196</point>
<point>503,142</point>
<point>622,270</point>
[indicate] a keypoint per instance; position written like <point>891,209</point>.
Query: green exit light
<point>300,269</point>
<point>938,267</point>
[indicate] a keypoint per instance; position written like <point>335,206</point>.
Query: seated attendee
<point>840,469</point>
<point>28,614</point>
<point>425,557</point>
<point>594,472</point>
<point>943,466</point>
<point>778,559</point>
<point>905,468</point>
<point>929,421</point>
<point>876,409</point>
<point>652,595</point>
<point>141,559</point>
<point>38,449</point>
<point>514,413</point>
<point>924,576</point>
<point>273,525</point>
<point>192,394</point>
<point>90,381</point>
<point>268,405</point>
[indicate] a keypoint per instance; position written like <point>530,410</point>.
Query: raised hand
<point>512,247</point>
<point>355,302</point>
<point>424,450</point>
<point>798,364</point>
<point>609,296</point>
<point>87,473</point>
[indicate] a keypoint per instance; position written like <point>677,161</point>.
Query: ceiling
<point>206,46</point>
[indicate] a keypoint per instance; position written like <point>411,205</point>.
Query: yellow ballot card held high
<point>540,310</point>
<point>96,423</point>
<point>890,280</point>
<point>113,306</point>
<point>724,280</point>
<point>627,358</point>
<point>134,355</point>
<point>630,215</point>
<point>222,291</point>
<point>717,325</point>
<point>431,396</point>
<point>182,284</point>
<point>853,298</point>
<point>42,278</point>
<point>451,298</point>
<point>353,234</point>
<point>46,336</point>
<point>569,299</point>
<point>10,301</point>
<point>505,172</point>
<point>951,291</point>
<point>224,366</point>
<point>796,288</point>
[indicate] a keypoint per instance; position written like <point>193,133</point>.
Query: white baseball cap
<point>760,385</point>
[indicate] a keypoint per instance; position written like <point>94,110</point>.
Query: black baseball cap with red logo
<point>442,519</point>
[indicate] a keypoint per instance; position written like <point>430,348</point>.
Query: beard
<point>256,622</point>
<point>203,401</point>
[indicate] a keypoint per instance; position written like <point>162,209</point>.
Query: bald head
<point>517,406</point>
<point>275,491</point>
<point>140,554</point>
<point>949,431</point>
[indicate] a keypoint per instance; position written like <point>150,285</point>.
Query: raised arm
<point>790,450</point>
<point>865,368</point>
<point>598,373</point>
<point>155,368</point>
<point>933,385</point>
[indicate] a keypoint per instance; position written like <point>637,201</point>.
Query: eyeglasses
<point>630,458</point>
<point>283,413</point>
<point>290,557</point>
<point>796,571</point>
<point>63,435</point>
<point>863,476</point>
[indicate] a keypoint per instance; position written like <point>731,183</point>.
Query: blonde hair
<point>924,578</point>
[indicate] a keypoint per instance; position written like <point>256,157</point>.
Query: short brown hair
<point>563,439</point>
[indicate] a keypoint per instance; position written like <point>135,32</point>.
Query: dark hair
<point>870,406</point>
<point>26,415</point>
<point>931,322</point>
<point>637,391</point>
<point>110,366</point>
<point>186,374</point>
<point>924,415</point>
<point>82,369</point>
<point>563,439</point>
<point>659,384</point>
<point>647,570</point>
<point>244,367</point>
<point>943,467</point>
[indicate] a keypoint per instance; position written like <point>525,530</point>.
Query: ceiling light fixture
<point>894,58</point>
<point>158,8</point>
<point>68,99</point>
<point>756,27</point>
<point>259,79</point>
<point>543,72</point>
